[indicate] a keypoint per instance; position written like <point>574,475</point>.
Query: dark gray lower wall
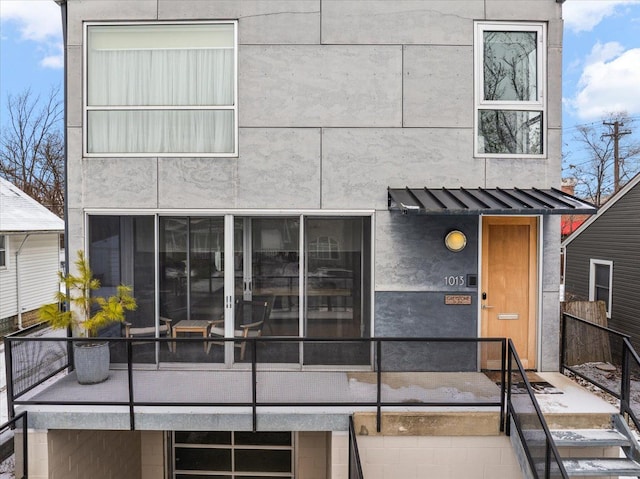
<point>424,314</point>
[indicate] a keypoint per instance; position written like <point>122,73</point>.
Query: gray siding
<point>613,236</point>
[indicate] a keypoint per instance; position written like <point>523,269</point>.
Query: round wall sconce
<point>455,240</point>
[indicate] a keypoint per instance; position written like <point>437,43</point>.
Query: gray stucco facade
<point>337,100</point>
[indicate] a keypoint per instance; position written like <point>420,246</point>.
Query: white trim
<point>229,287</point>
<point>222,212</point>
<point>87,108</point>
<point>630,185</point>
<point>592,281</point>
<point>372,268</point>
<point>540,291</point>
<point>479,280</point>
<point>5,250</point>
<point>539,105</point>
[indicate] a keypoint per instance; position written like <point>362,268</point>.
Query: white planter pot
<point>91,362</point>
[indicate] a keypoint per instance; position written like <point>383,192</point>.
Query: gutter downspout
<point>63,16</point>
<point>18,295</point>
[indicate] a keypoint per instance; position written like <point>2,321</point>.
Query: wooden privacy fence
<point>586,345</point>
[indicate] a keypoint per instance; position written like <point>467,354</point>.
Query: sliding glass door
<point>295,276</point>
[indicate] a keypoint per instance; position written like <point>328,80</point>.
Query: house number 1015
<point>454,280</point>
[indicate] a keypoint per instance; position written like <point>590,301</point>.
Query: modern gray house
<point>291,170</point>
<point>602,261</point>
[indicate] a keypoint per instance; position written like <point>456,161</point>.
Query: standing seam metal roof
<point>495,201</point>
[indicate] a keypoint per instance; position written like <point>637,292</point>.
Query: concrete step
<point>597,466</point>
<point>589,438</point>
<point>579,438</point>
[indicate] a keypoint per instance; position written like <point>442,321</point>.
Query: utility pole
<point>616,134</point>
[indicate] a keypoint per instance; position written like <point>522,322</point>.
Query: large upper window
<point>161,89</point>
<point>510,77</point>
<point>600,282</point>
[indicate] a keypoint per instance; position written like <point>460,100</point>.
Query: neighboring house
<point>225,151</point>
<point>29,257</point>
<point>570,223</point>
<point>602,260</point>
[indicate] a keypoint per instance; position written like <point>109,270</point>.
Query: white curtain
<point>161,77</point>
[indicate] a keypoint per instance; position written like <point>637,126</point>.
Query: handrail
<point>596,326</point>
<point>551,450</point>
<point>625,401</point>
<point>11,423</point>
<point>16,397</point>
<point>355,466</point>
<point>628,359</point>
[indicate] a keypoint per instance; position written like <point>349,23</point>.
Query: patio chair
<point>149,331</point>
<point>253,329</point>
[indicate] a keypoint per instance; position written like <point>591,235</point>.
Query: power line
<point>582,125</point>
<point>616,134</point>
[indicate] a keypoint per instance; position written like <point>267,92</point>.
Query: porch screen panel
<point>275,266</point>
<point>121,251</point>
<point>206,268</point>
<point>191,268</point>
<point>173,268</point>
<point>337,276</point>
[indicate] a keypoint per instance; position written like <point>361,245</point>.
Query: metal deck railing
<point>523,409</point>
<point>365,373</point>
<point>586,345</point>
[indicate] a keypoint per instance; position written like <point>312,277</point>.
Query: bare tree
<point>595,171</point>
<point>32,147</point>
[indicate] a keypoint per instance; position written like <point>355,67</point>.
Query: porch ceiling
<point>493,201</point>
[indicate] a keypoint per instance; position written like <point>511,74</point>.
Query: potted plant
<point>86,315</point>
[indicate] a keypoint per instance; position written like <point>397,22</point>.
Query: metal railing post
<point>563,339</point>
<point>509,377</point>
<point>25,448</point>
<point>625,387</point>
<point>379,385</point>
<point>503,399</point>
<point>132,423</point>
<point>254,380</point>
<point>8,365</point>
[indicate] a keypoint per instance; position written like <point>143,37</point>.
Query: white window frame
<point>86,108</point>
<point>4,249</point>
<point>592,281</point>
<point>540,104</point>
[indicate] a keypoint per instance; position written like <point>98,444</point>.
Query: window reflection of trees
<point>505,131</point>
<point>510,75</point>
<point>510,66</point>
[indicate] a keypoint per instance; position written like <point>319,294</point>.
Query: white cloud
<point>608,83</point>
<point>603,52</point>
<point>37,21</point>
<point>584,15</point>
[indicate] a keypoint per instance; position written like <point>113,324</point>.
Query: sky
<point>601,66</point>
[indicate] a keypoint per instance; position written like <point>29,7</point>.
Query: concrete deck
<point>215,398</point>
